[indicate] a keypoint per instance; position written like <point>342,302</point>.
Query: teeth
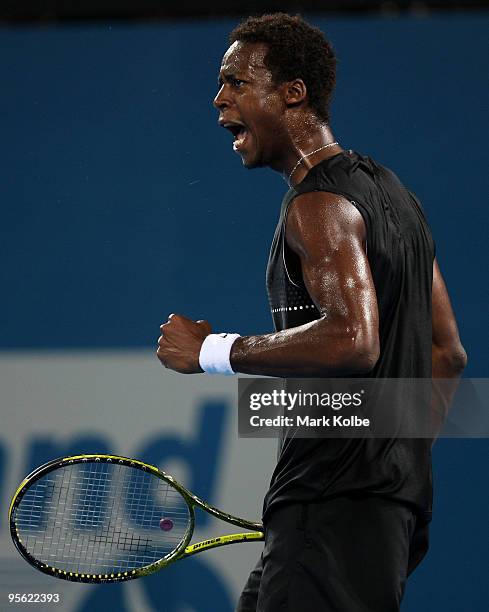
<point>239,141</point>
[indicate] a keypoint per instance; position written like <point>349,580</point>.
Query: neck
<point>303,138</point>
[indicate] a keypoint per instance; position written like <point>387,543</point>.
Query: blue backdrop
<point>122,201</point>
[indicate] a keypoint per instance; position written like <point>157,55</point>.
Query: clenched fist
<point>180,343</point>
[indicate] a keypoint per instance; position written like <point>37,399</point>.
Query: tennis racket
<point>104,518</point>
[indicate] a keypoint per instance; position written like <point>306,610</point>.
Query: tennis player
<point>354,290</point>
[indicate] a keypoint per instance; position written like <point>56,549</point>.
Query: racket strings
<point>100,518</point>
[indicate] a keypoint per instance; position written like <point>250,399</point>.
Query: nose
<point>221,101</point>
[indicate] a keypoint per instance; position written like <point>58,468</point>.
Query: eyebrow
<point>226,77</point>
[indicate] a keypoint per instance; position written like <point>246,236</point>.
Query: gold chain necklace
<point>330,144</point>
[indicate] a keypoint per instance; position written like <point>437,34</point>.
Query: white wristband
<point>215,352</point>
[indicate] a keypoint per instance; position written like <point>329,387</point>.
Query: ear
<point>295,92</point>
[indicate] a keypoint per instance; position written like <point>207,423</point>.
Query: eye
<point>237,82</point>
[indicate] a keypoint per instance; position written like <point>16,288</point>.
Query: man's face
<point>249,104</point>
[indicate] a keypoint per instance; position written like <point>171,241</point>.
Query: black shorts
<point>348,554</point>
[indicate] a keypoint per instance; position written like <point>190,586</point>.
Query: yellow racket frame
<point>184,549</point>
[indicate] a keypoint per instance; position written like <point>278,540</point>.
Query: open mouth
<point>239,132</point>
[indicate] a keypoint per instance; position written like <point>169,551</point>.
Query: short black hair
<point>296,50</point>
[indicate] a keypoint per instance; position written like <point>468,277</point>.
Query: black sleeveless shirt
<point>400,251</point>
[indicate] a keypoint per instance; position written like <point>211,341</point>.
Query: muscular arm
<point>448,354</point>
<point>328,234</point>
